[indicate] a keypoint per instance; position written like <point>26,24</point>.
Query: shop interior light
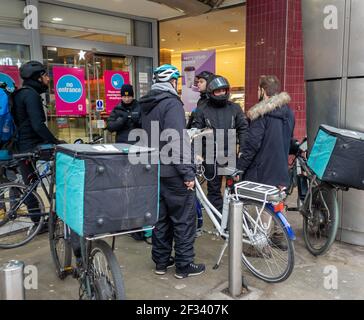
<point>82,55</point>
<point>234,30</point>
<point>56,19</point>
<point>163,40</point>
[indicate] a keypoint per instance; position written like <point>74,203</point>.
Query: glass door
<point>70,128</point>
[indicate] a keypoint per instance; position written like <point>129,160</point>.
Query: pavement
<point>337,275</point>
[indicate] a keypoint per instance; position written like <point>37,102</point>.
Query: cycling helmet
<point>204,75</point>
<point>216,83</point>
<point>32,70</point>
<point>165,73</point>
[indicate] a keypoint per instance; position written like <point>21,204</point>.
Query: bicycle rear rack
<point>259,192</point>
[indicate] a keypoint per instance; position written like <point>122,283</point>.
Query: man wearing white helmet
<point>177,215</point>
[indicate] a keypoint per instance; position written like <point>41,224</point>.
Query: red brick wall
<point>275,46</point>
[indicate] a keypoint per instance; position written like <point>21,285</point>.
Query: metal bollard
<point>235,248</point>
<point>12,281</point>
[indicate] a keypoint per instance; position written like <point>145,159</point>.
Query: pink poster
<point>69,88</point>
<point>10,75</point>
<point>114,80</point>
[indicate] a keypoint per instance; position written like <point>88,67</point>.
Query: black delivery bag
<point>100,191</point>
<point>337,157</point>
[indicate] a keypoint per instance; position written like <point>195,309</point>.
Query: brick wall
<point>275,46</point>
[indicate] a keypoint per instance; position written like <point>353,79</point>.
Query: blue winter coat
<point>264,152</point>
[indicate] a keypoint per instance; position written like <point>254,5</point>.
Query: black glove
<point>135,117</point>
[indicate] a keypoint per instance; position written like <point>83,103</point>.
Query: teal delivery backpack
<point>100,191</point>
<point>337,157</point>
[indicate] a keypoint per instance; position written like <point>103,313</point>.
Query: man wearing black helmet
<point>219,113</point>
<point>28,109</point>
<point>202,80</point>
<point>30,119</point>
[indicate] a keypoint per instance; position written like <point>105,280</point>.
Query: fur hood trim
<point>267,106</point>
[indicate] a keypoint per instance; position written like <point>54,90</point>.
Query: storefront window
<point>11,13</point>
<point>13,54</point>
<point>83,25</point>
<point>71,127</point>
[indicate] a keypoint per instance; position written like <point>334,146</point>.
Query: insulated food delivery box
<point>100,189</point>
<point>337,157</point>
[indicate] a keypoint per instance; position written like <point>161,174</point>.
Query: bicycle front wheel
<point>106,277</point>
<point>268,252</point>
<point>21,215</point>
<point>61,248</point>
<point>320,227</point>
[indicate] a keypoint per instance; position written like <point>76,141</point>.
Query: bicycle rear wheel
<point>320,228</point>
<point>106,277</point>
<point>61,248</point>
<point>268,252</point>
<point>19,226</point>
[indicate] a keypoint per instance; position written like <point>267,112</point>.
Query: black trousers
<point>177,221</point>
<point>27,171</point>
<point>214,194</point>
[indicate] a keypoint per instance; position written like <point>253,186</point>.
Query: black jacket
<point>167,108</point>
<point>264,153</point>
<point>228,116</point>
<point>201,102</point>
<point>29,117</point>
<point>123,119</point>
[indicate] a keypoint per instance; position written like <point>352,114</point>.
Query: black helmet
<point>204,75</point>
<point>32,70</point>
<point>216,83</point>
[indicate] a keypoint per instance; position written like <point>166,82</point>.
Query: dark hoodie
<point>164,105</point>
<point>264,153</point>
<point>123,119</point>
<point>30,118</point>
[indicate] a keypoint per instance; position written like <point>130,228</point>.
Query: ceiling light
<point>234,30</point>
<point>56,19</point>
<point>163,40</point>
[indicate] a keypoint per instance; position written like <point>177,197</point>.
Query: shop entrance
<point>96,67</point>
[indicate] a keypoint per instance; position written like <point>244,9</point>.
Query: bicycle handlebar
<point>24,155</point>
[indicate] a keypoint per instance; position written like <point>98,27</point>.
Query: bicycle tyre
<point>114,268</point>
<point>249,261</point>
<point>62,259</point>
<point>332,204</point>
<point>32,231</point>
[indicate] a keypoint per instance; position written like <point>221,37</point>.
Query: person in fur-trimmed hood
<point>264,152</point>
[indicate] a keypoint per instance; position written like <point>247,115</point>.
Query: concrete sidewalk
<point>306,281</point>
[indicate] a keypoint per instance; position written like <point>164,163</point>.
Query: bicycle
<point>262,218</point>
<point>97,270</point>
<point>22,208</point>
<point>316,201</point>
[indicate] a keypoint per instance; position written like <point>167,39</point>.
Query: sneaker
<point>190,270</point>
<point>161,269</point>
<point>199,232</point>
<point>252,252</point>
<point>278,241</point>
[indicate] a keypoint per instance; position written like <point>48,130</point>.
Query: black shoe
<point>279,242</point>
<point>161,269</point>
<point>190,270</point>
